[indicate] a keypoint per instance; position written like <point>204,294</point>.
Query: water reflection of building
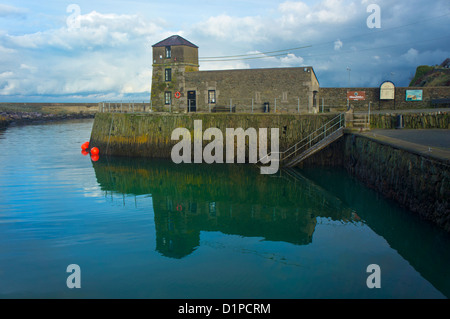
<point>232,199</point>
<point>179,223</point>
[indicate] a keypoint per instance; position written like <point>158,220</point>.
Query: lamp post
<point>348,69</point>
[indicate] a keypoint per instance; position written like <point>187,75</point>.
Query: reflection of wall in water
<point>233,199</point>
<point>179,223</point>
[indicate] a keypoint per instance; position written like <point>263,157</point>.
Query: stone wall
<point>418,182</point>
<point>438,120</point>
<point>184,59</point>
<point>336,98</point>
<point>239,87</point>
<point>149,135</point>
<point>180,54</point>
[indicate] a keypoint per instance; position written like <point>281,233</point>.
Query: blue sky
<point>103,50</point>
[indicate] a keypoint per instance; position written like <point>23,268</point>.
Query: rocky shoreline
<point>23,118</point>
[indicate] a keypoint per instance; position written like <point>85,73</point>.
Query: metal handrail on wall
<point>314,137</point>
<point>325,130</point>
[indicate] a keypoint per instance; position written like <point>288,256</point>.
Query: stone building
<point>178,85</point>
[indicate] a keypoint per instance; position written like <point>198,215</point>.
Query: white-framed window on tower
<point>168,75</point>
<point>168,52</point>
<point>167,98</point>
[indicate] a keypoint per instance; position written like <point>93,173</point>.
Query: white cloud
<point>6,50</point>
<point>325,12</point>
<point>223,65</point>
<point>338,45</point>
<point>6,74</point>
<point>30,68</point>
<point>96,30</point>
<point>7,11</point>
<point>238,29</point>
<point>107,53</point>
<point>292,60</point>
<point>294,13</point>
<point>411,55</point>
<point>335,11</point>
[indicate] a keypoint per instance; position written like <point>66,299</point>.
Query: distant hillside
<point>438,75</point>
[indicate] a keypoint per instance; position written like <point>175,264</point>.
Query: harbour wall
<point>419,182</point>
<point>333,155</point>
<point>418,120</point>
<point>149,135</point>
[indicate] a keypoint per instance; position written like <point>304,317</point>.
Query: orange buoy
<point>94,151</point>
<point>85,146</point>
<point>95,158</point>
<point>84,152</point>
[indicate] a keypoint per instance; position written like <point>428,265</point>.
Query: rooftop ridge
<point>174,40</point>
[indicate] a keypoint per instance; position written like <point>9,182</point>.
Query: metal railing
<point>291,105</point>
<point>300,105</point>
<point>313,138</point>
<point>321,133</point>
<point>132,106</point>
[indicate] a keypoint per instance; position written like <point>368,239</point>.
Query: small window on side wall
<point>168,52</point>
<point>212,96</point>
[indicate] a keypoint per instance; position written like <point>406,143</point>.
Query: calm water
<point>152,229</point>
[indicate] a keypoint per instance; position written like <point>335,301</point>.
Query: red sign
<point>356,95</point>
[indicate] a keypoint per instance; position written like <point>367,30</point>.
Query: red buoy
<point>85,146</point>
<point>94,151</point>
<point>84,152</point>
<point>95,158</point>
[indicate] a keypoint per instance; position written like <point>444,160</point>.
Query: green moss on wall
<point>128,130</point>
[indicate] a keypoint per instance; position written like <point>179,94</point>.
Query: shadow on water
<point>422,244</point>
<point>232,199</point>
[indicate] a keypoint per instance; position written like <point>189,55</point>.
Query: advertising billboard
<point>413,95</point>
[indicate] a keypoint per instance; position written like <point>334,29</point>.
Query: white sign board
<point>387,91</point>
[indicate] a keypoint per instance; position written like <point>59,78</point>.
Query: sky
<point>101,50</point>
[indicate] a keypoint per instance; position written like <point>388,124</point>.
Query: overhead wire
<point>268,54</point>
<point>257,53</point>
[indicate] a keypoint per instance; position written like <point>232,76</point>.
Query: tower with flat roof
<point>172,58</point>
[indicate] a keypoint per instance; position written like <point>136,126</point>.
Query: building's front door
<point>192,101</point>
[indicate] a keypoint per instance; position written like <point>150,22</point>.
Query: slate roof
<point>174,40</point>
